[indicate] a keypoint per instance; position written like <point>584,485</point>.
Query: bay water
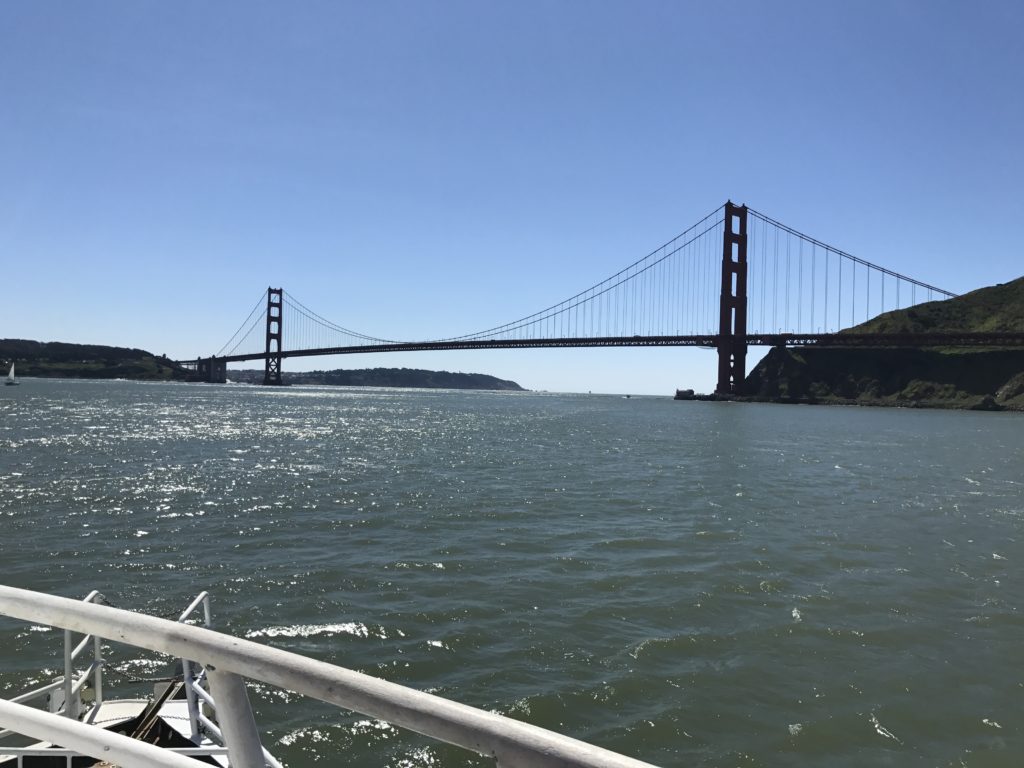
<point>692,584</point>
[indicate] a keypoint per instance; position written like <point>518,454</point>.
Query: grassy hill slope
<point>996,309</point>
<point>991,379</point>
<point>57,359</point>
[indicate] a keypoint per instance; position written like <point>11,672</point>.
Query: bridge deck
<point>709,341</point>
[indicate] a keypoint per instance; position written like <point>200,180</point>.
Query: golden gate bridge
<point>736,278</point>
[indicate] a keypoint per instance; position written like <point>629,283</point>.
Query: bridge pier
<point>212,370</point>
<point>732,327</point>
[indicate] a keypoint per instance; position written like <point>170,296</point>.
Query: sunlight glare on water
<point>688,583</point>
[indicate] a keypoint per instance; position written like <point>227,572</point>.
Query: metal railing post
<point>70,710</point>
<point>97,680</point>
<point>236,720</point>
<point>190,697</point>
<point>187,672</point>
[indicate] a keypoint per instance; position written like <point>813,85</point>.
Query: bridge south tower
<point>272,366</point>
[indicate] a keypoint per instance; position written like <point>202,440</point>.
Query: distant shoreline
<point>61,360</point>
<point>414,378</point>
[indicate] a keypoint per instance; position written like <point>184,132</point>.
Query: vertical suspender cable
<point>839,309</point>
<point>867,299</point>
<point>853,295</point>
<point>775,284</point>
<point>814,285</point>
<point>825,316</point>
<point>764,271</point>
<point>800,289</point>
<point>788,241</point>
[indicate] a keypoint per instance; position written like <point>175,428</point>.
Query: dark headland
<point>60,360</point>
<point>385,377</point>
<point>965,378</point>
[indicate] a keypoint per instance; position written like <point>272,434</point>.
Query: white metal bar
<point>97,683</point>
<point>236,721</point>
<point>270,760</point>
<point>88,739</point>
<point>190,697</point>
<point>203,598</point>
<point>69,709</point>
<point>206,697</point>
<point>509,741</point>
<point>81,646</point>
<point>37,692</point>
<point>59,752</point>
<point>83,678</point>
<point>200,598</point>
<point>211,727</point>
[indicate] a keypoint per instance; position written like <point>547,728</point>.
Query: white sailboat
<point>11,381</point>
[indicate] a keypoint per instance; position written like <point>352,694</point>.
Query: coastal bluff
<point>965,378</point>
<point>61,360</point>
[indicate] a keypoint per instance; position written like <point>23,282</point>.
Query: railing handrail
<point>510,742</point>
<point>88,739</point>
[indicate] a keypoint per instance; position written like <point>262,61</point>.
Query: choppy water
<point>690,583</point>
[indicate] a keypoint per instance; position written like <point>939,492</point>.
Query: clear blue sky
<point>415,169</point>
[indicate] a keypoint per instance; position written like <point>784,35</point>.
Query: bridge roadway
<point>709,341</point>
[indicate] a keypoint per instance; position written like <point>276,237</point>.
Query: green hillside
<point>57,359</point>
<point>996,309</point>
<point>975,378</point>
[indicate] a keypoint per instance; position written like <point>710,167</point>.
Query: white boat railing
<point>194,678</point>
<point>79,738</point>
<point>230,660</point>
<point>70,684</point>
<point>73,683</point>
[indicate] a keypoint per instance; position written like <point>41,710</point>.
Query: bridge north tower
<point>732,327</point>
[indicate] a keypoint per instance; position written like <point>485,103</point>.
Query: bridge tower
<point>275,305</point>
<point>732,328</point>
